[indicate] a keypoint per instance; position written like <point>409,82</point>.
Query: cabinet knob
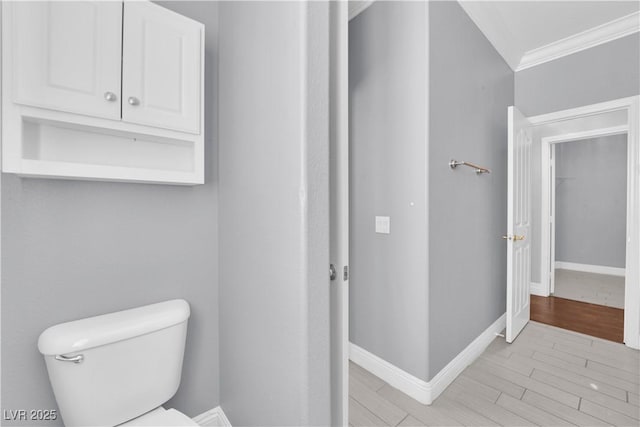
<point>110,96</point>
<point>133,101</point>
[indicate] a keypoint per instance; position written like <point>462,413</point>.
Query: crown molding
<point>601,34</point>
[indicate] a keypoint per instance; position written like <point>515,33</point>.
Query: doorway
<point>589,271</point>
<point>587,222</point>
<point>588,232</point>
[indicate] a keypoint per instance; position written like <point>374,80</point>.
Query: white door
<point>69,55</point>
<point>339,214</point>
<point>161,68</point>
<point>518,223</point>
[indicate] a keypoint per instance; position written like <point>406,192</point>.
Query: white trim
<point>213,417</point>
<point>586,110</point>
<point>536,288</point>
<point>632,277</point>
<point>547,218</point>
<point>339,210</point>
<point>592,133</point>
<point>589,268</point>
<point>422,391</point>
<point>547,194</point>
<point>410,385</point>
<point>601,34</point>
<point>357,7</point>
<point>466,357</point>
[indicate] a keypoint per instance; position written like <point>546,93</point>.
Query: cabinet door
<point>66,55</point>
<point>161,68</point>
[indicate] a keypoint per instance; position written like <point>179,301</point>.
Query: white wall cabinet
<point>102,90</point>
<point>67,56</point>
<point>160,68</point>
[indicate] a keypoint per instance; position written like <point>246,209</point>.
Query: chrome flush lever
<point>75,359</point>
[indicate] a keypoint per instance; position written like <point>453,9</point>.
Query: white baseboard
<point>423,391</point>
<point>213,418</point>
<point>537,289</point>
<point>588,268</point>
<point>412,386</point>
<point>466,357</point>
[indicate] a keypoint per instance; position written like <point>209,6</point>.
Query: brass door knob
<point>515,238</point>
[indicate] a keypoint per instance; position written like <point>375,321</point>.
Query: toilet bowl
<point>119,368</point>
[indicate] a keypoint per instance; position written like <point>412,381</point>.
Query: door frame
<point>339,208</point>
<point>548,196</point>
<point>632,274</point>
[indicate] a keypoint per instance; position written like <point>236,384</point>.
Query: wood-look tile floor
<point>548,376</point>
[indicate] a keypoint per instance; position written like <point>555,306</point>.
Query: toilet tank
<point>117,366</point>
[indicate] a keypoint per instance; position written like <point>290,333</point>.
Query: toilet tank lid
<point>83,334</point>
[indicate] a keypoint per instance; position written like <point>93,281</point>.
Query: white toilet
<point>119,368</point>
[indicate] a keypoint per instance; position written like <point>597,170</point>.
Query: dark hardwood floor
<point>591,319</point>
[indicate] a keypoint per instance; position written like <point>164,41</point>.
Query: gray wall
<point>274,287</point>
<point>591,201</point>
<point>470,89</point>
<point>602,73</point>
<point>417,306</point>
<point>388,132</point>
<point>72,249</point>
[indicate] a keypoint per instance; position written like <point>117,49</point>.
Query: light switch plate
<point>383,224</point>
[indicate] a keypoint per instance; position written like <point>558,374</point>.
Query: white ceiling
<point>528,33</point>
<point>522,30</point>
<point>536,23</point>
